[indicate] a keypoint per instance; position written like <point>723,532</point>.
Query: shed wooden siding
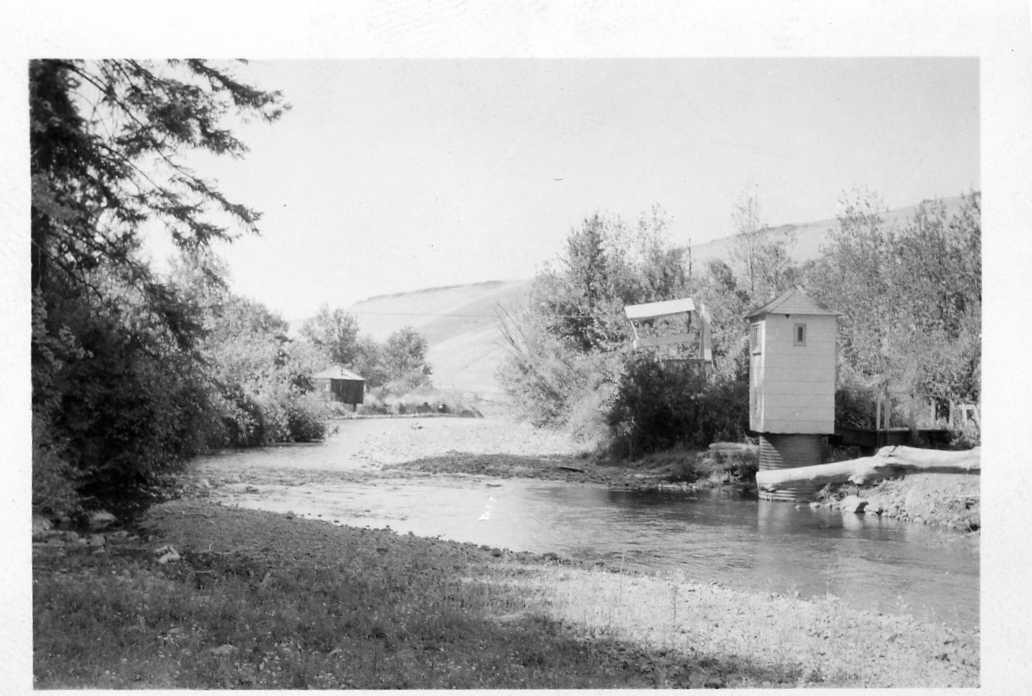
<point>792,387</point>
<point>340,384</point>
<point>345,390</point>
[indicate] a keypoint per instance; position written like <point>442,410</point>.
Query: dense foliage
<point>260,379</point>
<point>910,298</point>
<point>398,365</point>
<point>569,361</point>
<point>133,372</point>
<point>334,333</point>
<point>911,301</point>
<point>664,405</point>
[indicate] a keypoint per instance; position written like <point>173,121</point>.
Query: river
<point>864,560</point>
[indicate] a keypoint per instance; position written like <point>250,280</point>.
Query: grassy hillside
<point>809,236</point>
<point>459,323</point>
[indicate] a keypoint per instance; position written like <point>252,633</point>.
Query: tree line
<point>134,371</point>
<point>909,294</point>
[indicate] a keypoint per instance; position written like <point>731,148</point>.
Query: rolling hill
<point>809,237</point>
<point>460,322</point>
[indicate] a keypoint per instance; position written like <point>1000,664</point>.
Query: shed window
<point>754,339</point>
<point>799,335</point>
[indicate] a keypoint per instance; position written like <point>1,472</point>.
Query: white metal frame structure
<point>669,323</point>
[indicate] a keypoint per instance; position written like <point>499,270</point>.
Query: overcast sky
<point>398,175</point>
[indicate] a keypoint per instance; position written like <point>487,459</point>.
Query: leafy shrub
<point>423,400</point>
<point>968,435</point>
<point>53,479</point>
<point>113,400</point>
<point>547,379</point>
<point>854,407</point>
<point>662,405</point>
<point>305,418</point>
<point>587,420</point>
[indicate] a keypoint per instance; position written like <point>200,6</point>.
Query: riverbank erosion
<point>206,596</point>
<point>929,486</point>
<point>949,501</point>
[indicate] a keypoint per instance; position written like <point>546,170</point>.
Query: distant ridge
<point>460,324</point>
<point>809,236</point>
<point>403,293</point>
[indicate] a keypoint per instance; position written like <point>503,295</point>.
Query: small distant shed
<point>340,384</point>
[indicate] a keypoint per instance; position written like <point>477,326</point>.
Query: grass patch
<point>266,601</point>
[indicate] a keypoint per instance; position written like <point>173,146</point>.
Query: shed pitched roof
<point>337,372</point>
<point>792,301</point>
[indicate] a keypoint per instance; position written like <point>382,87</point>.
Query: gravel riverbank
<point>253,599</point>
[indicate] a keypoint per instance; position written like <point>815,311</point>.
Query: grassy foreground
<point>259,600</point>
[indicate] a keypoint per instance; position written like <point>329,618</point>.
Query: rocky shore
<point>951,501</point>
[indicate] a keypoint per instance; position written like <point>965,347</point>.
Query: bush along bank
<point>203,596</point>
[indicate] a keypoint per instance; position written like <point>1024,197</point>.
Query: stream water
<point>866,561</point>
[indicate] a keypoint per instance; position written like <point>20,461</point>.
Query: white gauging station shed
<point>792,371</point>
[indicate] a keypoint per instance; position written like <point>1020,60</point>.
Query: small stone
<point>224,650</point>
<point>96,540</point>
<point>40,526</point>
<point>203,579</point>
<point>101,519</point>
<point>852,503</point>
<point>167,554</point>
